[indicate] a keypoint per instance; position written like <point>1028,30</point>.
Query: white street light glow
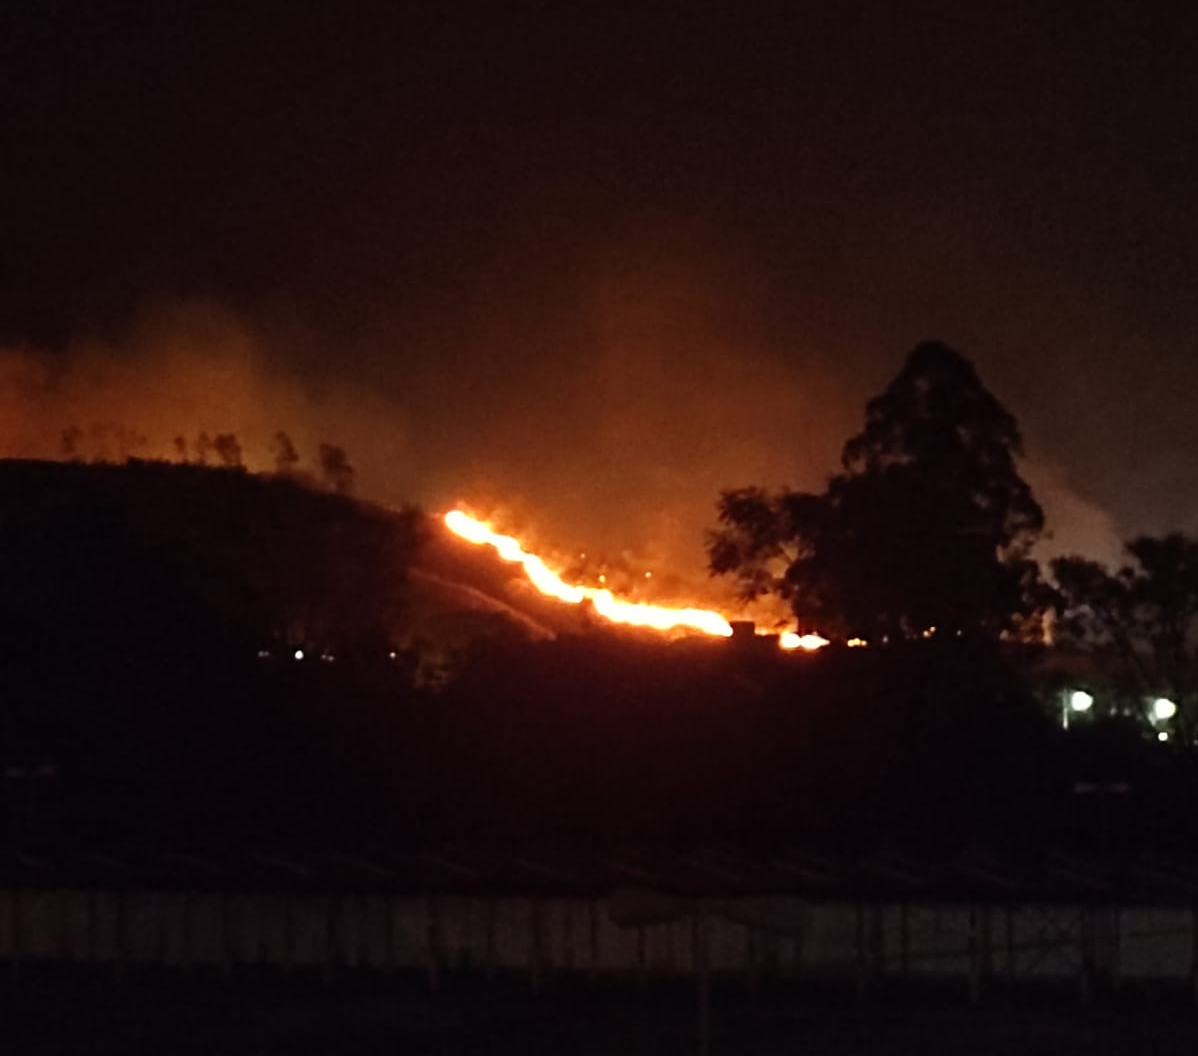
<point>1163,709</point>
<point>1080,700</point>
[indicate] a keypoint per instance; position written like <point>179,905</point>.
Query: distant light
<point>263,654</point>
<point>856,643</point>
<point>928,632</point>
<point>1080,700</point>
<point>810,642</point>
<point>1163,708</point>
<point>299,654</point>
<point>1162,736</point>
<point>648,575</point>
<point>328,658</point>
<point>391,655</point>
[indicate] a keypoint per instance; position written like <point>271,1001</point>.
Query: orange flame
<point>809,642</point>
<point>607,605</point>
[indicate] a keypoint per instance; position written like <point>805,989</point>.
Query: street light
<point>1163,709</point>
<point>1080,700</point>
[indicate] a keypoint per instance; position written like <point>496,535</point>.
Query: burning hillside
<point>603,601</point>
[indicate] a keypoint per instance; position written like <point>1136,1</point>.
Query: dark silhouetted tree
<point>102,442</point>
<point>72,438</point>
<point>227,449</point>
<point>929,525</point>
<point>1141,621</point>
<point>286,457</point>
<point>336,470</point>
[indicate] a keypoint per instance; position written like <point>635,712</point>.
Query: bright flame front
<point>632,613</point>
<point>606,604</point>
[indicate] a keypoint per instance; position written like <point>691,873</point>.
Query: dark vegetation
<point>733,741</point>
<point>138,600</point>
<point>151,615</point>
<point>1140,621</point>
<point>929,525</point>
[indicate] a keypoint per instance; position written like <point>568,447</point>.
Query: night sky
<point>586,270</point>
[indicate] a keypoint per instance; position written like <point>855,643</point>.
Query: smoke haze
<point>582,271</point>
<point>663,392</point>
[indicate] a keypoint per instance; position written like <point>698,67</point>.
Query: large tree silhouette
<point>928,527</point>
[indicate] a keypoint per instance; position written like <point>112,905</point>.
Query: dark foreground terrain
<point>211,685</point>
<point>212,1015</point>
